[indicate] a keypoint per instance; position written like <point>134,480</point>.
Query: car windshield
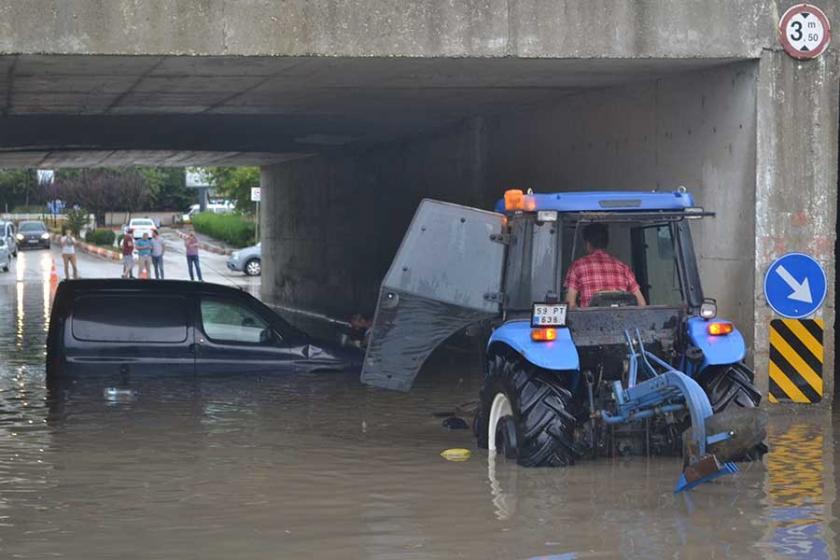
<point>141,223</point>
<point>32,227</point>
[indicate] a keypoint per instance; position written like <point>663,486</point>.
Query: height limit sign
<point>804,31</point>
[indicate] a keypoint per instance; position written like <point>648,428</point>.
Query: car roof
<point>159,287</point>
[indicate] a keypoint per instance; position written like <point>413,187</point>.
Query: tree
<point>103,190</point>
<point>168,188</point>
<point>19,187</point>
<point>235,183</point>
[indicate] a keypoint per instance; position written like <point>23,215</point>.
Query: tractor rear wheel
<point>732,385</point>
<point>728,385</point>
<point>525,410</point>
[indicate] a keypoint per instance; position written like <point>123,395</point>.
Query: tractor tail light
<point>543,335</point>
<point>720,328</point>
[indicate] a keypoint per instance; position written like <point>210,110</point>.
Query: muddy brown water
<point>319,466</point>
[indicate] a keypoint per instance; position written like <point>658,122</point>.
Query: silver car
<point>5,255</point>
<point>247,260</point>
<point>7,232</point>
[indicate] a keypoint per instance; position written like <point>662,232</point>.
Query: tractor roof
<point>607,201</point>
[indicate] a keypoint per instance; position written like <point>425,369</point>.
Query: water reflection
<point>797,490</point>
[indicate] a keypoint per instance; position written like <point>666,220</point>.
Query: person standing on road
<point>158,249</point>
<point>191,244</point>
<point>68,253</point>
<point>128,254</point>
<point>144,255</point>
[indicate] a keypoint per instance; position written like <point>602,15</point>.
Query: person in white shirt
<point>68,253</point>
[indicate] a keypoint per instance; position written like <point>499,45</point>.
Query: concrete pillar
<point>796,182</point>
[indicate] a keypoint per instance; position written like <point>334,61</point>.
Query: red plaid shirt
<point>599,272</point>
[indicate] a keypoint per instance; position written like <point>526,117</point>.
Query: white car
<point>139,226</point>
<point>220,207</point>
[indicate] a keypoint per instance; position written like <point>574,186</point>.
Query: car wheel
<point>253,267</point>
<point>525,410</point>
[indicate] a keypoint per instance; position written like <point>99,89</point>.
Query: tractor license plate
<point>549,315</point>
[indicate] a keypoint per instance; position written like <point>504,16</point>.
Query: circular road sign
<point>804,31</point>
<point>795,285</point>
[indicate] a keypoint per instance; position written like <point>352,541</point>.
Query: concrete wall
<point>427,28</point>
<point>796,186</point>
<point>336,222</point>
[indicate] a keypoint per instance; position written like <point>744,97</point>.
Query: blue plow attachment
<point>663,390</point>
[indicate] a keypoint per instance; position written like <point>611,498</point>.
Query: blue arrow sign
<point>795,285</point>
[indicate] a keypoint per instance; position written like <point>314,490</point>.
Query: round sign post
<point>804,31</point>
<point>795,285</point>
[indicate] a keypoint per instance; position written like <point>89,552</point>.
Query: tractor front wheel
<point>524,415</point>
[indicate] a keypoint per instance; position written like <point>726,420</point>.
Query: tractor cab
<point>648,233</point>
<point>568,353</point>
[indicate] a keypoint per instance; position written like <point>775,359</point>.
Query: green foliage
<point>231,228</point>
<point>76,220</point>
<point>168,188</point>
<point>19,187</point>
<point>235,183</point>
<point>103,237</point>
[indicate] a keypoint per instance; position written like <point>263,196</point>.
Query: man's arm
<point>640,299</point>
<point>571,298</point>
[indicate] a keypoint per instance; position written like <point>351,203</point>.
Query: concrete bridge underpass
<point>356,111</point>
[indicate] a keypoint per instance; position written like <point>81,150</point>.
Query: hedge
<point>231,228</point>
<point>102,237</point>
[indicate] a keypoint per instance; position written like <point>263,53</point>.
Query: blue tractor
<point>564,382</point>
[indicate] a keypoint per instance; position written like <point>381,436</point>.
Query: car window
<point>32,227</point>
<point>142,222</point>
<point>230,321</point>
<point>130,318</point>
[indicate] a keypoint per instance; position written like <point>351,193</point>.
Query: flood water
<point>319,466</point>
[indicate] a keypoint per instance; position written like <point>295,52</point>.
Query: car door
<point>447,275</point>
<point>235,337</point>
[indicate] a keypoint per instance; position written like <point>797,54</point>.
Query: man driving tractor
<point>598,271</point>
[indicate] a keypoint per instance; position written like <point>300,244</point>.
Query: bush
<point>231,228</point>
<point>102,237</point>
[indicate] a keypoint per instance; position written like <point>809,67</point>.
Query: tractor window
<point>655,264</point>
<point>649,250</point>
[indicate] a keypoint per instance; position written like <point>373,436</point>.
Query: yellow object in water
<point>457,454</point>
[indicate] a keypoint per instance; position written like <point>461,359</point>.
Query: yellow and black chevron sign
<point>796,360</point>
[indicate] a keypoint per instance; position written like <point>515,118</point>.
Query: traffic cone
<point>53,274</point>
<point>144,274</point>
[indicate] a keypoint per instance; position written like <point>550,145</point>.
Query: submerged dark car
<point>133,329</point>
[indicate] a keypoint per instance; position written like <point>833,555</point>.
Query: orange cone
<point>144,275</point>
<point>53,274</point>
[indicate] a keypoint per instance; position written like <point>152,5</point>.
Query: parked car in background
<point>216,207</point>
<point>32,234</point>
<point>5,255</point>
<point>125,330</point>
<point>247,260</point>
<point>7,232</point>
<point>139,226</point>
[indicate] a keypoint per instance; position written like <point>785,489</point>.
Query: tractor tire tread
<point>545,426</point>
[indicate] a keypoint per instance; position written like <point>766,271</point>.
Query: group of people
<point>150,251</point>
